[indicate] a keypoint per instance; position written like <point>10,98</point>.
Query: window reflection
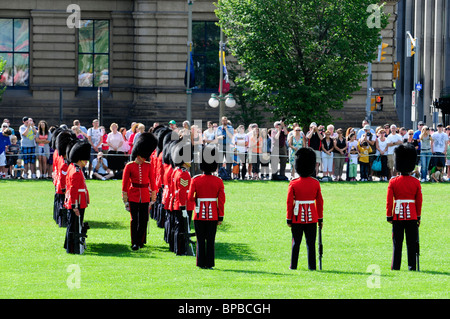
<point>206,37</point>
<point>93,54</point>
<point>14,49</point>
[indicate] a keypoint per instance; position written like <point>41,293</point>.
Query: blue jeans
<point>425,157</point>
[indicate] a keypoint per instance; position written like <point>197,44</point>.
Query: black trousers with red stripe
<point>72,230</point>
<point>399,229</point>
<point>138,224</point>
<point>310,231</point>
<point>205,231</point>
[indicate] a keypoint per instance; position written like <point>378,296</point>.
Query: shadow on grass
<point>433,272</point>
<point>106,224</point>
<point>234,251</point>
<point>119,250</point>
<point>261,272</point>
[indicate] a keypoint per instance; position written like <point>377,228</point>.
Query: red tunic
<point>207,193</point>
<point>181,180</point>
<point>159,171</point>
<point>77,195</point>
<point>55,166</point>
<point>61,175</point>
<point>137,182</point>
<point>404,198</point>
<point>153,163</point>
<point>167,182</point>
<point>304,201</point>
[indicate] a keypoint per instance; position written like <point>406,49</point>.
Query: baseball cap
<point>25,118</point>
<point>367,127</point>
<point>172,122</point>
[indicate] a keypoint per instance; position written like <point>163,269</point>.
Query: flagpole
<point>189,49</point>
<point>221,105</point>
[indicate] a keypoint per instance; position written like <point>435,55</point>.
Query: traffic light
<point>410,47</point>
<point>396,71</point>
<point>373,106</point>
<point>379,103</point>
<point>381,51</point>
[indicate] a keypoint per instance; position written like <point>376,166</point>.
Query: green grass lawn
<point>252,248</point>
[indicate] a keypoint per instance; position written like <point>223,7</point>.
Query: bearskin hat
<point>168,141</point>
<point>64,138</point>
<point>305,162</point>
<point>156,130</point>
<point>55,134</point>
<point>405,156</point>
<point>78,150</point>
<point>144,146</point>
<point>182,152</point>
<point>161,134</point>
<point>209,163</point>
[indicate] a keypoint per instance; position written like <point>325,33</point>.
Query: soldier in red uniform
<point>180,206</point>
<point>304,207</point>
<point>57,200</point>
<point>76,196</point>
<point>138,188</point>
<point>157,163</point>
<point>167,171</point>
<point>64,138</point>
<point>404,206</point>
<point>207,192</point>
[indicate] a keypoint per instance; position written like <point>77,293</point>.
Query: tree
<point>247,110</point>
<point>301,57</point>
<point>2,68</point>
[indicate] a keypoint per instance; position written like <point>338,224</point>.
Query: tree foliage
<point>248,109</point>
<point>301,57</point>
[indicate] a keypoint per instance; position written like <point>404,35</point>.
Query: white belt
<point>83,190</point>
<point>398,203</point>
<point>207,199</point>
<point>402,201</point>
<point>305,202</point>
<point>200,200</point>
<point>301,202</point>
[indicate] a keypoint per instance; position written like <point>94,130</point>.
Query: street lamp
<point>215,99</point>
<point>230,101</point>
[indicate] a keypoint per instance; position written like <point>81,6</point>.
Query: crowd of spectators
<point>248,153</point>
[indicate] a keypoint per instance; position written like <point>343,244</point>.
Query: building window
<point>15,49</point>
<point>205,38</point>
<point>93,54</point>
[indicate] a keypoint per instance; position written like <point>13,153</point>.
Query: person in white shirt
<point>115,154</point>
<point>393,140</point>
<point>439,146</point>
<point>209,135</point>
<point>101,170</point>
<point>240,141</point>
<point>95,137</point>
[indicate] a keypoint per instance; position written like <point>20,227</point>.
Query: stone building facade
<point>136,51</point>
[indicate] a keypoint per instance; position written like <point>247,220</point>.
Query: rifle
<point>418,250</point>
<point>187,231</point>
<point>320,247</point>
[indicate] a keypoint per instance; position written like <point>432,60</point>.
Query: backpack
<point>223,174</point>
